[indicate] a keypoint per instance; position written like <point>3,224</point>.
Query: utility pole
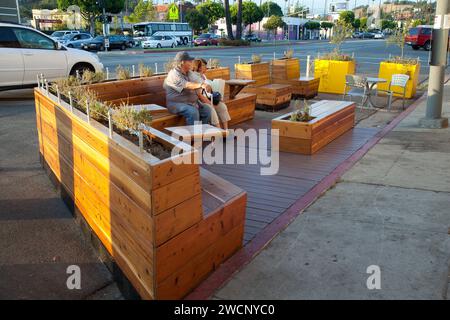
<point>433,117</point>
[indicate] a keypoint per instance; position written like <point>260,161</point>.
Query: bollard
<point>132,68</point>
<point>87,112</point>
<point>46,86</point>
<point>70,101</point>
<point>58,94</point>
<point>308,58</point>
<point>239,59</point>
<point>38,81</point>
<point>353,55</point>
<point>156,67</point>
<point>77,73</point>
<point>110,123</point>
<point>141,141</point>
<point>107,73</point>
<point>274,56</point>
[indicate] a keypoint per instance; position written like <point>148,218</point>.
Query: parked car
<point>98,43</point>
<point>61,33</point>
<point>159,42</point>
<point>366,35</point>
<point>75,40</point>
<point>129,40</point>
<point>26,53</point>
<point>356,34</point>
<point>378,35</point>
<point>206,39</point>
<point>252,38</point>
<point>419,37</point>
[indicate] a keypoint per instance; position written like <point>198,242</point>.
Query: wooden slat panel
<point>174,254</point>
<point>177,219</point>
<point>101,163</point>
<point>175,193</point>
<point>180,283</point>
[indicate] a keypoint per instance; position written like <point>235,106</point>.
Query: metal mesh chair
<point>357,86</point>
<point>400,81</point>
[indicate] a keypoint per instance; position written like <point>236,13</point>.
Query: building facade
<point>44,19</point>
<point>9,11</point>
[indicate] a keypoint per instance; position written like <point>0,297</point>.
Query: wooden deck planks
<point>270,196</point>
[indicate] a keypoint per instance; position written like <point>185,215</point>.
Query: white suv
<point>26,52</point>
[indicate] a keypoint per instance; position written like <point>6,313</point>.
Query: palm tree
<point>239,21</point>
<point>228,20</point>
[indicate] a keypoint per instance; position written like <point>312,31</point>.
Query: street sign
<point>173,12</point>
<point>9,11</point>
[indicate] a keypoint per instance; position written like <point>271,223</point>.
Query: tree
<point>143,11</point>
<point>270,8</point>
<point>347,17</point>
<point>387,24</point>
<point>356,23</point>
<point>239,20</point>
<point>197,20</point>
<point>363,23</point>
<point>312,25</point>
<point>299,11</point>
<point>212,10</point>
<point>273,23</point>
<point>90,10</point>
<point>341,31</point>
<point>251,13</point>
<point>326,25</point>
<point>228,20</point>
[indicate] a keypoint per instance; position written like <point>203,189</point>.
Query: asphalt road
<point>368,54</point>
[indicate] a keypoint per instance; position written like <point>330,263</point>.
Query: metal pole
<point>110,123</point>
<point>308,58</point>
<point>156,67</point>
<point>70,101</point>
<point>107,73</point>
<point>433,117</point>
<point>87,112</point>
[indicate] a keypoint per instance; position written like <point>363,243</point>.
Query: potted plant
<point>400,65</point>
<point>306,130</point>
<point>254,70</point>
<point>215,71</point>
<point>331,68</point>
<point>286,68</point>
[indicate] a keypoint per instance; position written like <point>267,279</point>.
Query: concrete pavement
<point>390,210</point>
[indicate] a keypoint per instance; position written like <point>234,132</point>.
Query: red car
<point>207,39</point>
<point>419,37</point>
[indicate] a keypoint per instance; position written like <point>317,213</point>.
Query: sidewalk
<point>391,209</point>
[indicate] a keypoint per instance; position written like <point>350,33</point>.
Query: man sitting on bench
<point>181,94</point>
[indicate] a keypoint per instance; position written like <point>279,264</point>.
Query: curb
<point>246,254</point>
<point>212,48</point>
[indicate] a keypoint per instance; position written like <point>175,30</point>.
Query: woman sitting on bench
<point>219,112</point>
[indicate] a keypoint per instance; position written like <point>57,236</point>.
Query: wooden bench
<point>150,91</point>
<point>331,119</point>
<point>269,96</point>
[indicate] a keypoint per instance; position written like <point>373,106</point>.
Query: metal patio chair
<point>357,86</point>
<point>398,80</point>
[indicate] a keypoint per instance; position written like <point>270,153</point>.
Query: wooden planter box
<point>147,213</point>
<point>332,74</point>
<point>332,119</point>
<point>285,69</point>
<point>218,73</point>
<point>260,72</point>
<point>303,87</point>
<point>387,69</point>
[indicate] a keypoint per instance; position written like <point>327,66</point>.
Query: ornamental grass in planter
<point>400,65</point>
<point>332,67</point>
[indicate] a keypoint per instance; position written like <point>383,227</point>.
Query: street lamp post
<point>433,117</point>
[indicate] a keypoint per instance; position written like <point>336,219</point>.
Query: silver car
<point>75,40</point>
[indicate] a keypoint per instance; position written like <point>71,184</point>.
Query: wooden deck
<point>270,196</point>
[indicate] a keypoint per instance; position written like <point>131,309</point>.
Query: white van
<point>26,52</point>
